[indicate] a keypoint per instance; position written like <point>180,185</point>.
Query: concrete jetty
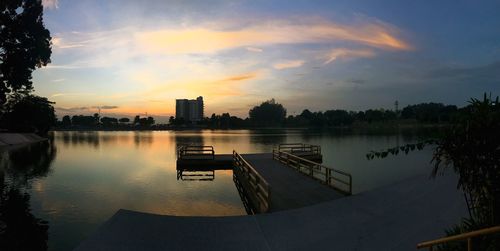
<point>289,188</point>
<point>394,217</point>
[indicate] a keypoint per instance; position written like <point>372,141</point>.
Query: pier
<point>285,179</point>
<point>293,203</point>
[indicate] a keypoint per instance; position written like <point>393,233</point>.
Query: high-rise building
<point>189,109</point>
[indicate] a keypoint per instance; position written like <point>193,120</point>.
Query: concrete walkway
<point>394,217</point>
<point>11,139</point>
<point>289,188</point>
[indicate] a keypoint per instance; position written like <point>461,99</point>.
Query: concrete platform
<point>14,139</point>
<point>289,188</point>
<point>220,162</point>
<point>394,217</point>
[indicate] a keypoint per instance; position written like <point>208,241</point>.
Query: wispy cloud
<point>105,107</point>
<point>254,49</point>
<point>50,4</point>
<point>71,94</point>
<point>58,80</point>
<point>187,40</point>
<point>240,77</point>
<point>288,64</point>
<point>343,53</point>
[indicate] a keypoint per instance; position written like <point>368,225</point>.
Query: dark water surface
<point>80,179</point>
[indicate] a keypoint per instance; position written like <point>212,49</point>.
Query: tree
<point>137,120</point>
<point>96,118</point>
<point>24,46</point>
<point>107,121</point>
<point>150,121</point>
<point>66,121</point>
<point>268,113</point>
<point>30,114</point>
<point>124,120</point>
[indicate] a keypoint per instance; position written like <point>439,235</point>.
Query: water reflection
<point>19,228</point>
<point>91,175</point>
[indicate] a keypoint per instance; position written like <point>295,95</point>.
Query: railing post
<point>469,244</point>
<point>327,176</point>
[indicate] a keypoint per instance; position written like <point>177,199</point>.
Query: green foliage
<point>401,149</point>
<point>24,45</point>
<point>472,149</point>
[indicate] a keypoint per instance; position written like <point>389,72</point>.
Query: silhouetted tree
<point>124,120</point>
<point>107,121</point>
<point>137,120</point>
<point>96,118</point>
<point>24,45</point>
<point>66,120</point>
<point>30,114</point>
<point>268,113</point>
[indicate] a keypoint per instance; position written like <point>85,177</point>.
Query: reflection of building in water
<point>189,109</point>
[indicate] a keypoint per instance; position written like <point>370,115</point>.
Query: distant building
<point>189,109</point>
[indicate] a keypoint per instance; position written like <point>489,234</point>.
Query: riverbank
<point>18,139</point>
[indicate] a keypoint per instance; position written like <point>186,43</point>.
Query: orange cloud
<point>210,40</point>
<point>240,77</point>
<point>288,64</point>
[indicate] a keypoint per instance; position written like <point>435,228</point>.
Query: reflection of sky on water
<point>94,174</point>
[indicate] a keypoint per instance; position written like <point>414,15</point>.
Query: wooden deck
<point>289,188</point>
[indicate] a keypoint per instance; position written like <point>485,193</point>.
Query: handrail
<point>185,152</point>
<point>337,179</point>
<point>299,147</point>
<point>257,187</point>
<point>460,237</point>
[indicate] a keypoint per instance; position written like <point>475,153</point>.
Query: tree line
<point>97,122</point>
<point>272,114</point>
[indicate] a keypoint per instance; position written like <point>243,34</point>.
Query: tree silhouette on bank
<point>269,113</point>
<point>25,45</point>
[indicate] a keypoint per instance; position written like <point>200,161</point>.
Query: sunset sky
<point>131,57</point>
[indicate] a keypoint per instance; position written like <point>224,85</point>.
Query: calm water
<point>82,178</point>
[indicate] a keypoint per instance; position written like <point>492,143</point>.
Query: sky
<point>130,57</point>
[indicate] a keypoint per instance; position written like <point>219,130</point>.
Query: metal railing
<point>299,148</point>
<point>193,152</point>
<point>255,185</point>
<point>337,179</point>
<point>460,237</point>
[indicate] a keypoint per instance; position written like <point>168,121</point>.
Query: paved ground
<point>289,188</point>
<point>9,139</point>
<point>394,217</point>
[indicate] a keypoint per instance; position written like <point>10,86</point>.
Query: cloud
<point>288,64</point>
<point>187,39</point>
<point>105,107</point>
<point>72,109</point>
<point>240,77</point>
<point>254,49</point>
<point>50,4</point>
<point>343,53</point>
<point>58,80</point>
<point>71,94</point>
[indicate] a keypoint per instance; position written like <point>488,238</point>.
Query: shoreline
<point>8,140</point>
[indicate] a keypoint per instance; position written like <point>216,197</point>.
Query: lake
<point>80,179</point>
